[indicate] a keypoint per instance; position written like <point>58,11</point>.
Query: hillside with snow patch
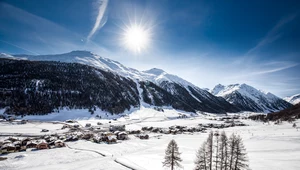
<point>295,99</point>
<point>248,98</point>
<point>166,90</point>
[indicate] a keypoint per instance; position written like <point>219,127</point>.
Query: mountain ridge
<point>152,94</point>
<point>248,98</point>
<point>294,99</point>
<point>190,96</point>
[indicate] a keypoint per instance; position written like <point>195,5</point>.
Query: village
<point>101,133</point>
<point>133,141</point>
<point>75,132</point>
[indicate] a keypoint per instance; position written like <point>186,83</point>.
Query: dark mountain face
<point>212,102</point>
<point>295,99</point>
<point>242,102</point>
<point>199,99</point>
<point>248,98</point>
<point>263,105</point>
<point>40,87</point>
<point>173,94</point>
<point>289,114</point>
<point>286,114</point>
<point>154,95</point>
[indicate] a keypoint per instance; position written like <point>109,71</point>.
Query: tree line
<point>217,152</point>
<point>42,87</point>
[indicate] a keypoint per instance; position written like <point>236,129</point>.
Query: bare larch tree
<point>210,145</point>
<point>240,155</point>
<point>220,153</point>
<point>201,158</point>
<point>172,156</point>
<point>223,153</point>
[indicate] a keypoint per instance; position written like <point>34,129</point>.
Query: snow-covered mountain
<point>86,57</point>
<point>155,86</point>
<point>248,98</point>
<point>295,99</point>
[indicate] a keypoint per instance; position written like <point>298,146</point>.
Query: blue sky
<point>205,42</point>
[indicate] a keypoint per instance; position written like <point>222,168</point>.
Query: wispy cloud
<point>100,20</point>
<point>273,34</point>
<point>42,35</point>
<point>282,66</point>
<point>255,69</point>
<point>22,48</point>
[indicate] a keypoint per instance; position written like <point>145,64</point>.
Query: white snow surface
<point>295,99</point>
<point>269,146</point>
<point>4,55</point>
<point>217,89</point>
<point>74,114</point>
<point>245,90</point>
<point>86,57</point>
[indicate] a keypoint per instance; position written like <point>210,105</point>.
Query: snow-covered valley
<point>269,146</point>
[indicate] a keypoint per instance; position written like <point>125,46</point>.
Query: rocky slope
<point>157,87</point>
<point>295,99</point>
<point>248,98</point>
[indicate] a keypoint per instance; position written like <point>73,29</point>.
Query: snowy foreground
<point>269,146</point>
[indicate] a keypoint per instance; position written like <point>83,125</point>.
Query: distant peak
<point>206,89</point>
<point>235,85</point>
<point>4,55</point>
<point>296,95</point>
<point>219,85</point>
<point>244,85</point>
<point>80,52</point>
<point>155,71</point>
<point>217,89</point>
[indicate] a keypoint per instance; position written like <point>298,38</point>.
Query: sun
<point>136,38</point>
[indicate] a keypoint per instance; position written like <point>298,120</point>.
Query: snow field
<point>269,146</point>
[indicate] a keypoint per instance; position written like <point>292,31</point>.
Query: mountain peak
<point>217,89</point>
<point>249,98</point>
<point>293,99</point>
<point>219,85</point>
<point>80,53</point>
<point>155,71</point>
<point>4,55</point>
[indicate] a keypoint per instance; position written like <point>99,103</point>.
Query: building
<point>13,139</point>
<point>111,139</point>
<point>8,148</point>
<point>87,136</point>
<point>45,130</point>
<point>59,144</point>
<point>70,121</point>
<point>113,128</point>
<point>17,144</point>
<point>143,136</point>
<point>122,136</point>
<point>24,141</point>
<point>31,144</point>
<point>42,145</point>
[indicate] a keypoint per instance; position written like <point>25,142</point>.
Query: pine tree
<point>201,158</point>
<point>172,157</point>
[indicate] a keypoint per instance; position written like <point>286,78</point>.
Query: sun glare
<point>136,38</point>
